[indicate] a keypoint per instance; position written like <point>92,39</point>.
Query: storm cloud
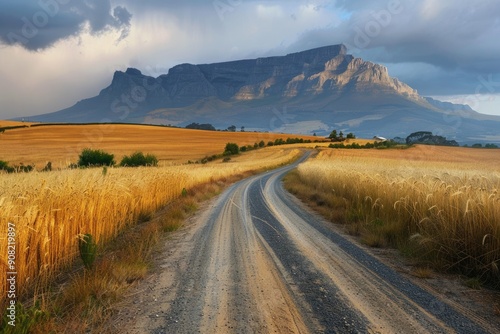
<point>454,38</point>
<point>37,25</point>
<point>439,47</point>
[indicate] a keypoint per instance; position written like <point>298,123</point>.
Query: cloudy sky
<point>56,52</point>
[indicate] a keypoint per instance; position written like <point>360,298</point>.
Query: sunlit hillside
<point>61,144</point>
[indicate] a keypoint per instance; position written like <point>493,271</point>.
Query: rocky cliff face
<point>327,70</point>
<point>310,91</point>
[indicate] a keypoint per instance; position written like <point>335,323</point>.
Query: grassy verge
<point>81,300</point>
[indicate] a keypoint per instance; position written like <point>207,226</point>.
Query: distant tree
<point>351,135</point>
<point>262,144</point>
<point>200,126</point>
<point>477,145</point>
<point>491,146</point>
<point>242,129</point>
<point>232,128</point>
<point>334,136</point>
<point>427,138</point>
<point>341,135</point>
<point>314,134</point>
<point>279,141</point>
<point>417,137</point>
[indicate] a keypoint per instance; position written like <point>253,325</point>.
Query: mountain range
<point>311,91</point>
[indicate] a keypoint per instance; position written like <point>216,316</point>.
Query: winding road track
<point>256,261</point>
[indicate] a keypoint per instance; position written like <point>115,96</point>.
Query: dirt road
<point>256,261</point>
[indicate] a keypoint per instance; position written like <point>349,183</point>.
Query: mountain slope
<point>314,90</point>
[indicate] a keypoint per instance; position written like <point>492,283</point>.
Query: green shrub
<point>231,149</point>
<point>24,169</point>
<point>378,145</point>
<point>88,250</point>
<point>95,158</point>
<point>262,144</point>
<point>279,141</point>
<point>4,165</point>
<point>139,159</point>
<point>26,318</point>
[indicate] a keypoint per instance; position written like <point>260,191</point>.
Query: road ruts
<point>261,263</point>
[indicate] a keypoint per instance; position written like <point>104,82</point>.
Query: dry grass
<point>62,144</point>
<point>438,204</point>
<point>422,272</point>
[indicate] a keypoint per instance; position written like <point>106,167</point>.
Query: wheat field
<point>50,210</point>
<point>441,202</point>
<point>61,144</point>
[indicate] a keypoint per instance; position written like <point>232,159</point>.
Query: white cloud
<point>431,9</point>
<point>270,12</point>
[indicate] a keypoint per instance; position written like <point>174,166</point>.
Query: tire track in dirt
<point>231,284</point>
<point>258,262</point>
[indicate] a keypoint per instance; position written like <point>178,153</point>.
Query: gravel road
<point>257,261</point>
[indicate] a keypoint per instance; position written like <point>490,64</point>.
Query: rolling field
<point>61,144</point>
<point>13,123</point>
<point>439,204</point>
<point>50,210</point>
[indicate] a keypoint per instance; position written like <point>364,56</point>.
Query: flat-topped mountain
<point>310,91</point>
